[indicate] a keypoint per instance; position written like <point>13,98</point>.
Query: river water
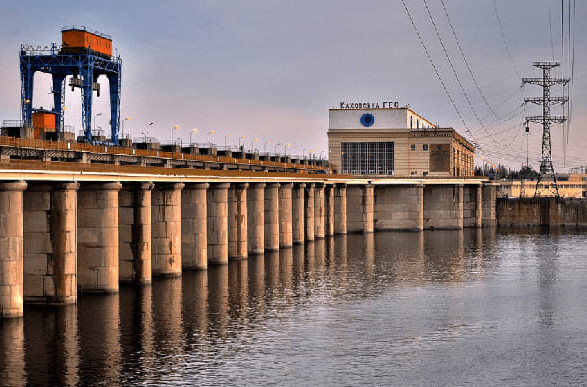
<point>478,307</point>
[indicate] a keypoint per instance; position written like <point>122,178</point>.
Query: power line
<point>455,72</point>
<point>466,61</point>
<point>439,76</point>
<point>503,37</point>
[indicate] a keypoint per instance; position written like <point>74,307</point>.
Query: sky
<point>269,70</point>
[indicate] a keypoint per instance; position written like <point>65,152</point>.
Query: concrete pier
<point>443,206</point>
<point>256,218</point>
<point>309,211</point>
<point>329,210</point>
<point>97,237</point>
<point>399,207</point>
<point>272,217</point>
<point>217,210</point>
<point>194,240</point>
<point>134,230</point>
<point>472,205</point>
<point>488,211</point>
<point>340,211</point>
<point>237,221</point>
<point>50,250</point>
<point>285,215</point>
<point>11,245</point>
<point>298,213</point>
<point>166,230</point>
<point>319,213</point>
<point>360,200</point>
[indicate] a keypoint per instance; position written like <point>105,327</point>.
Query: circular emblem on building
<point>367,119</point>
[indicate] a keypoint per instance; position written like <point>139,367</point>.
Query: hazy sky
<point>271,69</point>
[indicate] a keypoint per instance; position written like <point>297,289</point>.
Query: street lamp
<point>275,148</point>
<point>239,142</point>
<point>253,141</point>
<point>193,131</point>
<point>228,135</point>
<point>265,146</point>
<point>145,136</point>
<point>174,127</point>
<point>95,116</point>
<point>122,129</point>
<point>285,149</point>
<point>211,132</point>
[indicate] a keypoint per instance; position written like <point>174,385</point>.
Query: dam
<point>74,227</point>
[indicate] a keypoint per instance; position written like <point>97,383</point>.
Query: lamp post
<point>95,117</point>
<point>211,132</point>
<point>275,148</point>
<point>228,135</point>
<point>193,131</point>
<point>265,146</point>
<point>252,142</point>
<point>122,129</point>
<point>285,149</point>
<point>174,127</point>
<point>239,142</point>
<point>145,136</point>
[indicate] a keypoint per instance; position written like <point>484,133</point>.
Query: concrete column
<point>134,232</point>
<point>166,230</point>
<point>272,217</point>
<point>217,208</point>
<point>443,206</point>
<point>479,207</point>
<point>309,211</point>
<point>298,213</point>
<point>256,218</point>
<point>399,207</point>
<point>50,247</point>
<point>329,210</point>
<point>472,205</point>
<point>340,213</point>
<point>285,215</point>
<point>489,204</point>
<point>237,221</point>
<point>360,202</point>
<point>194,233</point>
<point>319,213</point>
<point>11,249</point>
<point>97,237</point>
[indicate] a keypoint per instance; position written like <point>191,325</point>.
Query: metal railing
<point>12,123</point>
<point>114,150</point>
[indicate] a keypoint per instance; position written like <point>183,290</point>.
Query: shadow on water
<point>205,326</point>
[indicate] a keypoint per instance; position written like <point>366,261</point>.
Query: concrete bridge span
<point>71,229</point>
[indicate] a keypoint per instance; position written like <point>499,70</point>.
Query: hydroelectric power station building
<point>383,139</point>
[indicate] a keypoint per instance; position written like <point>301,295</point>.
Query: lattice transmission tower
<point>546,168</point>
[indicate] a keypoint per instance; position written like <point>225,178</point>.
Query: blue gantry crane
<point>84,55</point>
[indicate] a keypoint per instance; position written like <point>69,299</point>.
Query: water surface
<point>431,308</point>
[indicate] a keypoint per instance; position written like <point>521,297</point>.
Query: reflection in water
<point>99,337</point>
<point>218,301</point>
<point>57,332</point>
<point>137,333</point>
<point>384,308</point>
<point>12,352</point>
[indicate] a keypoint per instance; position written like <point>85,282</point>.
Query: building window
<point>411,122</point>
<point>425,147</point>
<point>413,147</point>
<point>425,173</point>
<point>367,158</point>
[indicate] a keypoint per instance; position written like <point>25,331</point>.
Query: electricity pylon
<point>546,168</point>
